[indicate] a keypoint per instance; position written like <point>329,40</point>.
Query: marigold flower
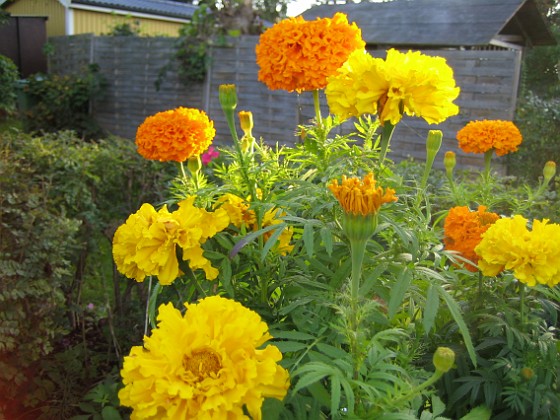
<point>241,215</point>
<point>533,256</point>
<point>443,359</point>
<point>463,231</point>
<point>449,162</point>
<point>361,197</point>
<point>482,136</point>
<point>549,171</point>
<point>175,135</point>
<point>208,363</point>
<point>404,83</point>
<point>299,55</point>
<point>145,245</point>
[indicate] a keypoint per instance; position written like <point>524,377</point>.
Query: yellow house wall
<point>86,21</point>
<point>50,8</point>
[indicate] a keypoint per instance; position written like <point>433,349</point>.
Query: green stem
<point>417,389</point>
<point>487,164</point>
<point>358,250</point>
<point>522,305</point>
<point>386,135</point>
<point>183,172</point>
<point>241,156</point>
<point>317,105</point>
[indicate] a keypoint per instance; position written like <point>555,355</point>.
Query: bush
<point>63,313</point>
<point>8,77</point>
<point>62,102</point>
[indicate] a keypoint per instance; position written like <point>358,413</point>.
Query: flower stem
<point>317,105</point>
<point>416,390</point>
<point>358,249</point>
<point>386,135</point>
<point>183,172</point>
<point>522,305</point>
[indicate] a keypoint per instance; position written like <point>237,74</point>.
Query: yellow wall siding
<point>86,21</point>
<point>51,8</point>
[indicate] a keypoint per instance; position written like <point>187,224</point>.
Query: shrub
<point>61,198</point>
<point>62,102</point>
<point>8,77</point>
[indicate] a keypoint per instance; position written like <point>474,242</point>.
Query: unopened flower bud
<point>549,171</point>
<point>246,122</point>
<point>228,97</point>
<point>433,142</point>
<point>527,373</point>
<point>443,359</point>
<point>449,161</point>
<point>194,164</point>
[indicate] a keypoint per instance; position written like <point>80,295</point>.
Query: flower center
<point>202,363</point>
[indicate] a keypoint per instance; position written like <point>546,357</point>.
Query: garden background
<point>68,317</point>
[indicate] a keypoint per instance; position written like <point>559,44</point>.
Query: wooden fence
<point>488,80</point>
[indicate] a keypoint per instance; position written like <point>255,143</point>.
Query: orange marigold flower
<point>175,135</point>
<point>481,136</point>
<point>361,197</point>
<point>299,55</point>
<point>463,231</point>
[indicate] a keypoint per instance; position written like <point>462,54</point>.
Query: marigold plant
<point>146,244</point>
<point>482,136</point>
<point>242,216</point>
<point>532,255</point>
<point>463,231</point>
<point>208,363</point>
<point>408,83</point>
<point>175,135</point>
<point>299,55</point>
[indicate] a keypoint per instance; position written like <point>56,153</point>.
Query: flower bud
<point>549,171</point>
<point>449,161</point>
<point>246,122</point>
<point>228,97</point>
<point>194,164</point>
<point>433,142</point>
<point>527,373</point>
<point>443,359</point>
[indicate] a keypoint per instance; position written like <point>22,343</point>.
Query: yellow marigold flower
<point>533,256</point>
<point>146,245</point>
<point>482,136</point>
<point>241,216</point>
<point>361,197</point>
<point>126,239</point>
<point>238,210</point>
<point>404,83</point>
<point>299,55</point>
<point>195,227</point>
<point>463,231</point>
<point>284,246</point>
<point>175,135</point>
<point>206,364</point>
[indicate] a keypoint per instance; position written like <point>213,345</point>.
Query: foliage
<point>8,76</point>
<point>61,102</point>
<point>128,27</point>
<point>539,120</point>
<point>64,318</point>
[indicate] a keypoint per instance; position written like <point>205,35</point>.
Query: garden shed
<point>72,17</point>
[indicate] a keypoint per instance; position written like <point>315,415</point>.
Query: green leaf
<point>430,308</point>
<point>456,314</point>
<point>271,241</point>
<point>110,413</point>
<point>398,291</point>
<point>308,239</point>
<point>326,237</point>
<point>478,413</point>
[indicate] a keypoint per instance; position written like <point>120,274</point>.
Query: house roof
<point>451,23</point>
<point>156,7</point>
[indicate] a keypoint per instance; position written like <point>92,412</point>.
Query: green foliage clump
<point>61,102</point>
<point>61,200</point>
<point>8,76</point>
